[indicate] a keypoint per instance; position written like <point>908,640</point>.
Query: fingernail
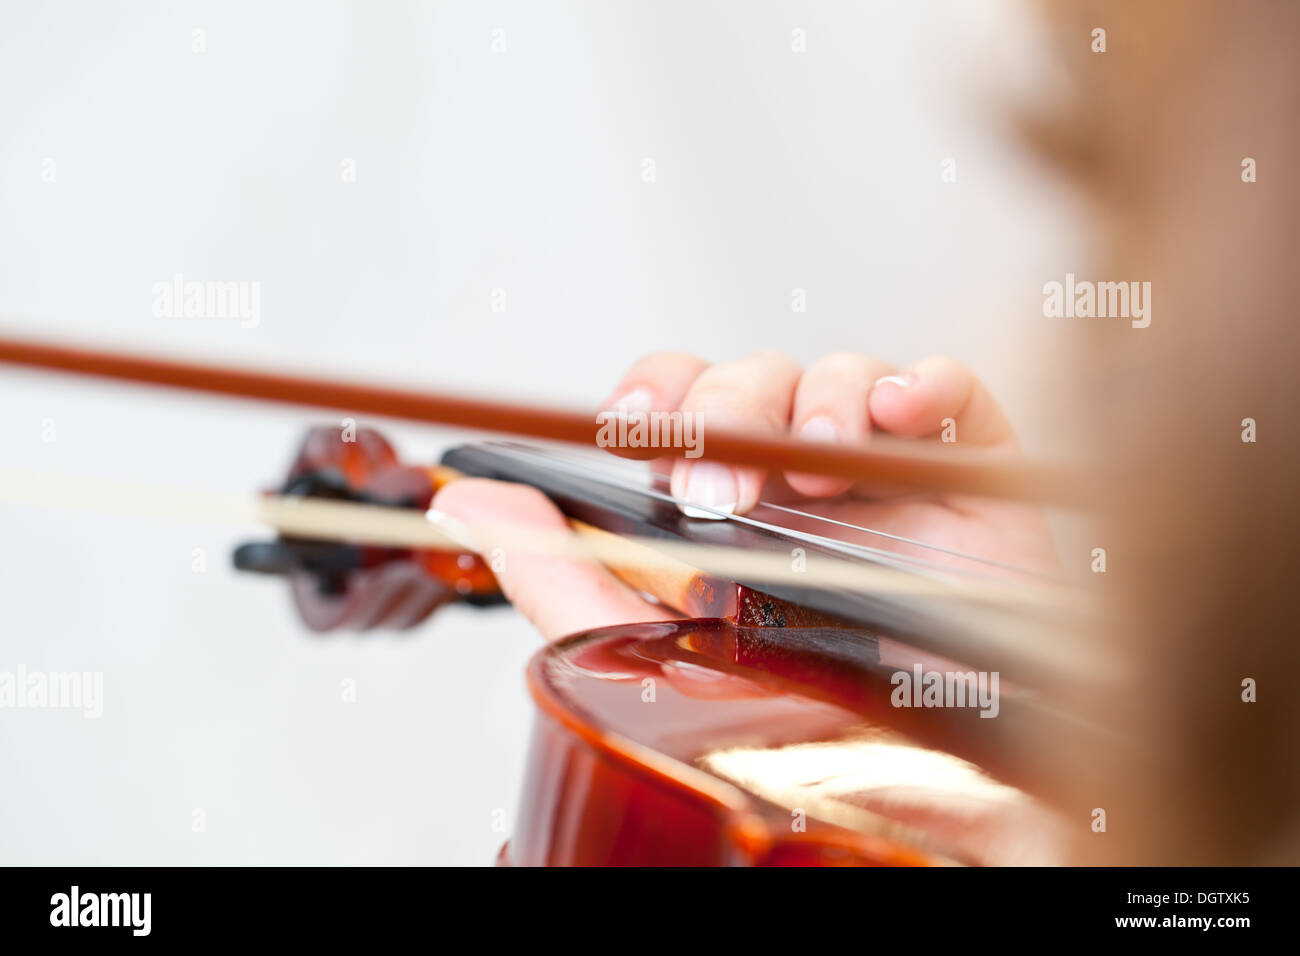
<point>635,401</point>
<point>711,486</point>
<point>902,381</point>
<point>822,429</point>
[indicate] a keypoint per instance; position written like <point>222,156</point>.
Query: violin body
<point>614,775</point>
<point>708,743</point>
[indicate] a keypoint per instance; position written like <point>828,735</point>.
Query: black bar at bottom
<point>977,907</point>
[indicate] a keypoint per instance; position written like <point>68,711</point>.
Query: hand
<point>842,398</point>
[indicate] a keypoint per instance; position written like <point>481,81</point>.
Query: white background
<point>521,171</point>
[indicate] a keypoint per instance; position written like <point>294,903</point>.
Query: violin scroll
<point>343,585</point>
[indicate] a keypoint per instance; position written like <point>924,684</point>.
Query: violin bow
<point>891,463</point>
<point>976,622</point>
<point>913,466</point>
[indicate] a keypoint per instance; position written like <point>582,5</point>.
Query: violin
<point>784,718</point>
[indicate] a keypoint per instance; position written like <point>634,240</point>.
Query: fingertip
<point>897,404</point>
<point>714,491</point>
<point>817,486</point>
<point>705,489</point>
<point>898,381</point>
<point>656,382</point>
<point>936,394</point>
<point>819,429</point>
<point>636,400</point>
<point>913,403</point>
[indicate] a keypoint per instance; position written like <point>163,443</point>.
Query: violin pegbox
<point>339,585</point>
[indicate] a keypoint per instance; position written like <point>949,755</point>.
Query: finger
<point>939,397</point>
<point>830,405</point>
<point>754,395</point>
<point>657,382</point>
<point>559,595</point>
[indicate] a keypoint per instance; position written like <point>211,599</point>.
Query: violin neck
<point>595,500</point>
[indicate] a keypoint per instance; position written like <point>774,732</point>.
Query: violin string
<point>628,482</point>
<point>902,539</point>
<point>625,480</point>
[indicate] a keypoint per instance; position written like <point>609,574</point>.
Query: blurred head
<point>1201,527</point>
